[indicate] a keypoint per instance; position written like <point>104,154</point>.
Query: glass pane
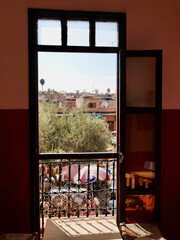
<point>140,149</point>
<point>78,33</point>
<point>77,102</point>
<point>140,81</point>
<point>49,32</point>
<point>67,185</point>
<point>139,208</point>
<point>106,34</point>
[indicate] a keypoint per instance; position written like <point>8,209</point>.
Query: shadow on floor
<point>94,228</point>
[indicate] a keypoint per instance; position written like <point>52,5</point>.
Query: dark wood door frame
<point>157,109</point>
<point>34,48</point>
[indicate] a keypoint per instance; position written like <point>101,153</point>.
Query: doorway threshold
<point>96,228</point>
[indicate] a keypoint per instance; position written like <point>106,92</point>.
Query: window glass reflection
<point>107,34</point>
<point>78,33</point>
<point>49,32</point>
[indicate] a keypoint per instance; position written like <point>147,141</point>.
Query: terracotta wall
<point>150,25</point>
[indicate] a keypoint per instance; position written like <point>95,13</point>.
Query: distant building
<point>52,97</point>
<point>69,103</point>
<point>101,104</point>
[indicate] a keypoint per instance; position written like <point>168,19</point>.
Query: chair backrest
<point>11,236</point>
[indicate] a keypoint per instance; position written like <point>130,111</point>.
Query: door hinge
<point>121,157</point>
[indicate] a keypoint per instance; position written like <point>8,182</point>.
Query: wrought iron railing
<point>77,188</point>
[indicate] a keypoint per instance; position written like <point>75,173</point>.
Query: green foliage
<point>108,90</point>
<point>74,131</point>
<point>49,127</point>
<point>52,91</point>
<point>42,81</point>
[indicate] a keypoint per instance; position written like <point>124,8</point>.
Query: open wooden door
<point>140,135</point>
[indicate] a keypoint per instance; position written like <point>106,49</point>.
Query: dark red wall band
<point>15,172</point>
<point>170,174</point>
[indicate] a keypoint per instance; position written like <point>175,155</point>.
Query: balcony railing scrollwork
<point>77,188</point>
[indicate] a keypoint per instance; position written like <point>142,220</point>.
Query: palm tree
<point>42,82</point>
<point>108,90</point>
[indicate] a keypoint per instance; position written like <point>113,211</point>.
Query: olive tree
<point>74,131</point>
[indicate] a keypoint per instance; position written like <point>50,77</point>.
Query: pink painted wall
<point>150,25</point>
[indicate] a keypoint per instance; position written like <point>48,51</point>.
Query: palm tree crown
<point>42,82</point>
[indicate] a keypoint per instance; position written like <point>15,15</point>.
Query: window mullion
<point>64,32</point>
<point>92,33</point>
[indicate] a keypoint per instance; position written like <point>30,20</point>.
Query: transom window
<point>100,31</point>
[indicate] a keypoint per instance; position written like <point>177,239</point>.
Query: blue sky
<point>77,71</point>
